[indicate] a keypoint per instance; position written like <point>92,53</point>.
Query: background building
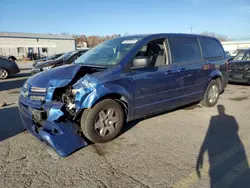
<point>19,44</point>
<point>232,46</point>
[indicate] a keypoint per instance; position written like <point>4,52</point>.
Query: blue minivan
<point>120,80</point>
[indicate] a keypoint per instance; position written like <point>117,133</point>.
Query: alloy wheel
<point>213,94</point>
<point>106,121</point>
<point>3,74</point>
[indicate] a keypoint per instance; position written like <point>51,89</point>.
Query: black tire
<point>90,116</point>
<point>3,74</point>
<point>207,102</point>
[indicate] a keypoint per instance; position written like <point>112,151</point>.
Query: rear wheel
<point>103,122</point>
<point>3,73</point>
<point>212,94</point>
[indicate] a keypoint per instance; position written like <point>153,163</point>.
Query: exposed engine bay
<point>66,94</point>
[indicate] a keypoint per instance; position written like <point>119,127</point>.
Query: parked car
<point>239,68</point>
<point>120,80</point>
<point>7,67</point>
<point>53,57</point>
<point>64,59</point>
<point>10,57</point>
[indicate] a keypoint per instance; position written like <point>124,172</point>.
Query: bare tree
<point>93,40</point>
<point>222,38</point>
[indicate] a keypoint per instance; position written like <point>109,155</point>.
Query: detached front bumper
<point>59,133</point>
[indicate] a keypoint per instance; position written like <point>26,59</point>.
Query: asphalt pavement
<point>192,147</point>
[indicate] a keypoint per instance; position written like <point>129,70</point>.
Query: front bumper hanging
<point>59,133</point>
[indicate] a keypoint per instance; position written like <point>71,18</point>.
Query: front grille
<point>37,98</point>
<point>240,67</point>
<point>38,90</point>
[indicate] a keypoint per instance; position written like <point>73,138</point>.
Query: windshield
<point>243,55</point>
<point>236,51</point>
<point>66,55</point>
<point>51,57</point>
<point>55,56</point>
<point>108,53</point>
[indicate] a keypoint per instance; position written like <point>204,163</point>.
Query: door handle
<point>175,70</point>
<point>170,72</point>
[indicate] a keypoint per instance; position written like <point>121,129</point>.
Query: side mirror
<point>140,62</point>
<point>230,59</point>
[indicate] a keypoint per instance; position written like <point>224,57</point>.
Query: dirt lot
<point>160,151</point>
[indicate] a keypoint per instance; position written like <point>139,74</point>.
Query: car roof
<point>166,35</point>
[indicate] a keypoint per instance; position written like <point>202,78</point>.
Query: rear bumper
<point>62,136</point>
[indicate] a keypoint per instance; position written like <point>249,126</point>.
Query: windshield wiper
<point>92,65</point>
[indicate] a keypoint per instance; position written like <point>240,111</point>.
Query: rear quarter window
<point>184,49</point>
<point>211,48</point>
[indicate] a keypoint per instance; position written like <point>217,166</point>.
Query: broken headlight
<point>87,87</point>
<point>25,85</point>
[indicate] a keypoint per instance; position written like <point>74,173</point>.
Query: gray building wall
<point>17,44</point>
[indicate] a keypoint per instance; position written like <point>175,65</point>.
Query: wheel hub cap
<point>3,73</point>
<point>105,122</point>
<point>213,94</point>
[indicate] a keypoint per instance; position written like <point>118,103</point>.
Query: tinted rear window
<point>211,48</point>
<point>184,49</point>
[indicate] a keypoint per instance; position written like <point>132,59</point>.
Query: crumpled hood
<point>47,63</point>
<point>239,65</point>
<point>61,76</point>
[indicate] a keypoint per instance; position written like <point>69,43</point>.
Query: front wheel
<point>212,94</point>
<point>103,122</point>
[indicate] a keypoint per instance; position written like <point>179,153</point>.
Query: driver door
<point>155,85</point>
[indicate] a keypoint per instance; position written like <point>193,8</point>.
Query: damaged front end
<point>52,112</point>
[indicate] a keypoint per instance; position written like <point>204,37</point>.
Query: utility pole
<point>191,28</point>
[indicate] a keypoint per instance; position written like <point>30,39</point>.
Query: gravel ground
<point>161,151</point>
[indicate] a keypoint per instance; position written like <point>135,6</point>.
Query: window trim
<point>185,62</point>
<point>167,54</point>
<point>169,51</point>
